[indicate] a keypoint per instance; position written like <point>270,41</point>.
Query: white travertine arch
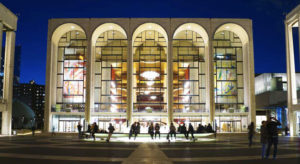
<point>193,27</point>
<point>149,26</point>
<point>237,29</point>
<point>62,29</point>
<point>106,27</point>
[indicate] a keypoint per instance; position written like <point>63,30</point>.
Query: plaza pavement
<point>224,149</point>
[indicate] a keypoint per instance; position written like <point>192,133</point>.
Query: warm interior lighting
<point>153,97</point>
<point>147,92</point>
<point>150,83</point>
<point>72,27</point>
<point>150,75</point>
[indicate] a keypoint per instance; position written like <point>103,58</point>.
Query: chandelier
<point>150,75</point>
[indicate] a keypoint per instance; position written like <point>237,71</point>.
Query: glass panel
<point>150,70</point>
<point>188,72</point>
<point>228,72</point>
<point>71,72</point>
<point>111,72</point>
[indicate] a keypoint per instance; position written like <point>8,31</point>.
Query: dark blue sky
<point>267,16</point>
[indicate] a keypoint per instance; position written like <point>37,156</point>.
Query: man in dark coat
<point>272,135</point>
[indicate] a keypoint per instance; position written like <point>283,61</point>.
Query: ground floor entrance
<point>223,123</point>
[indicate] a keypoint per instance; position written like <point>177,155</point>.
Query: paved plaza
<point>69,150</point>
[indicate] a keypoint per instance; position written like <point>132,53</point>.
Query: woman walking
<point>111,129</point>
<point>250,133</point>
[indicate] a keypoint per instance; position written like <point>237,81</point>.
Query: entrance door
<point>68,125</point>
<point>230,126</point>
<point>146,121</point>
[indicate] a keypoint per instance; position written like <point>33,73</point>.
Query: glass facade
<point>71,70</point>
<point>149,73</point>
<point>143,64</point>
<point>228,73</point>
<point>110,92</point>
<point>188,73</point>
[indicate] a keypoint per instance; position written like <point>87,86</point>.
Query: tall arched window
<point>71,71</point>
<point>111,72</point>
<point>228,72</point>
<point>188,72</point>
<point>150,72</point>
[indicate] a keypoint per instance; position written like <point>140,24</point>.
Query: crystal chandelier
<point>150,75</point>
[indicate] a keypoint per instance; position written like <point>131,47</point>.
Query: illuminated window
<point>149,72</point>
<point>111,72</point>
<point>71,68</point>
<point>228,72</point>
<point>188,72</point>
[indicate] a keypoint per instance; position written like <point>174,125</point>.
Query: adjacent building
<point>161,70</point>
<point>292,21</point>
<point>271,97</point>
<point>8,25</point>
<point>33,95</point>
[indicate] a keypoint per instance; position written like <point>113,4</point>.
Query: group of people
<point>92,129</point>
<point>268,136</point>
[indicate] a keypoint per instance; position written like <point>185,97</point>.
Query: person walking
<point>272,136</point>
<point>33,129</point>
<point>172,132</point>
<point>111,130</point>
<point>79,130</point>
<point>132,130</point>
<point>157,130</point>
<point>191,131</point>
<point>137,130</point>
<point>250,133</point>
<point>263,138</point>
<point>184,131</point>
<point>151,130</point>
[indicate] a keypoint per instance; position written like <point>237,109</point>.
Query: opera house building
<point>160,70</point>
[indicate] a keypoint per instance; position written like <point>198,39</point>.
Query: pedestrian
<point>172,132</point>
<point>137,130</point>
<point>200,128</point>
<point>272,136</point>
<point>157,130</point>
<point>191,131</point>
<point>184,131</point>
<point>151,130</point>
<point>33,129</point>
<point>132,129</point>
<point>79,130</point>
<point>94,130</point>
<point>209,128</point>
<point>263,138</point>
<point>250,133</point>
<point>111,130</point>
<point>53,131</point>
<point>286,130</point>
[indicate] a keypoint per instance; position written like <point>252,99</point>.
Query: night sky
<point>267,15</point>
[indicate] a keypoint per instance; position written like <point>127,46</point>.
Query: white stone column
<point>8,81</point>
<point>129,83</point>
<point>210,99</point>
<point>170,81</point>
<point>290,75</point>
<point>89,97</point>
